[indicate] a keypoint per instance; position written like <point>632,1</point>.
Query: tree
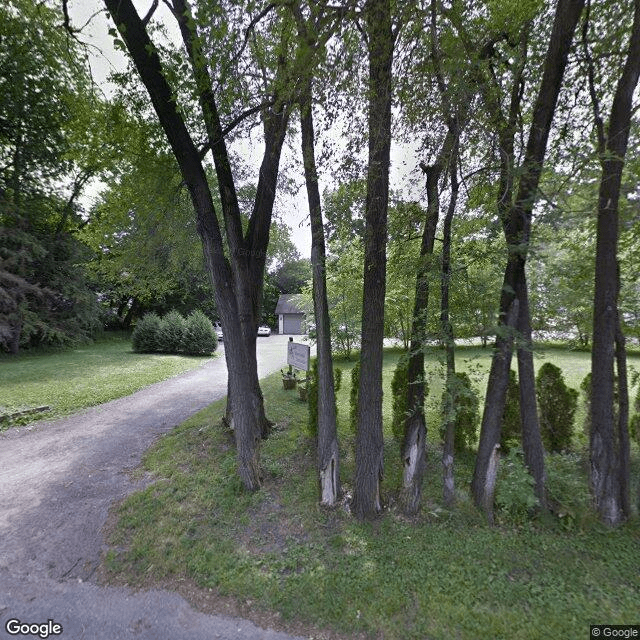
<point>369,443</point>
<point>609,443</point>
<point>148,256</point>
<point>238,276</point>
<point>328,454</point>
<point>45,95</point>
<point>516,216</point>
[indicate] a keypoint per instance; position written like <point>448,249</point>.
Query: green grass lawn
<point>445,574</point>
<point>82,377</point>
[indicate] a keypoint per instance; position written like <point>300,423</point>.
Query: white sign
<point>298,355</point>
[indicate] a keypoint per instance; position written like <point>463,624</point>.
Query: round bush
<point>145,336</point>
<point>634,425</point>
<point>511,432</point>
<point>399,394</point>
<point>353,396</point>
<point>171,334</point>
<point>199,335</point>
<point>557,405</point>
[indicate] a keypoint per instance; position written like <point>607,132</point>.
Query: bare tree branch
<point>150,13</point>
<point>591,76</point>
<point>235,122</point>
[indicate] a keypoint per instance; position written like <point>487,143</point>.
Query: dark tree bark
<point>531,437</point>
<point>415,433</point>
<point>448,453</point>
<point>369,443</point>
<point>517,229</point>
<point>238,281</point>
<point>608,445</point>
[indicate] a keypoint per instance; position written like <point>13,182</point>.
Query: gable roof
<point>287,303</point>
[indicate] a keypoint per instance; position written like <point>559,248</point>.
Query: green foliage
<point>466,408</point>
<point>145,336</point>
<point>634,423</point>
<point>199,336</point>
<point>514,489</point>
<point>399,385</point>
<point>557,404</point>
<point>568,490</point>
<point>312,394</point>
<point>511,431</point>
<point>45,299</point>
<point>171,333</point>
<point>353,396</point>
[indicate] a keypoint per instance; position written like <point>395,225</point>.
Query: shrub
<point>557,404</point>
<point>634,424</point>
<point>515,496</point>
<point>353,396</point>
<point>568,489</point>
<point>312,394</point>
<point>145,336</point>
<point>399,393</point>
<point>199,336</point>
<point>171,334</point>
<point>466,407</point>
<point>511,431</point>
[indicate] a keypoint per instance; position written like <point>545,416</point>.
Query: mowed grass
<point>82,377</point>
<point>444,574</point>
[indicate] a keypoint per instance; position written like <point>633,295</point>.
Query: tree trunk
<point>624,452</point>
<point>415,433</point>
<point>328,457</point>
<point>369,442</point>
<point>609,475</point>
<point>448,452</point>
<point>531,438</point>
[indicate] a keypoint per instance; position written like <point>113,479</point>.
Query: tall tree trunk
<point>531,438</point>
<point>624,446</point>
<point>415,432</point>
<point>517,229</point>
<point>369,442</point>
<point>448,452</point>
<point>328,456</point>
<point>609,477</point>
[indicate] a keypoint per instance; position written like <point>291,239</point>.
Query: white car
<point>264,330</point>
<point>218,329</point>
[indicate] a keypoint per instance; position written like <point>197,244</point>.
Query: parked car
<point>218,329</point>
<point>264,330</point>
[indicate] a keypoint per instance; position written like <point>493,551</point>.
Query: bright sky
<point>293,210</point>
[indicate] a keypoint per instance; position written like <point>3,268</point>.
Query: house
<point>290,316</point>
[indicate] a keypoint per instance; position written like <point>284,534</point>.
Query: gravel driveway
<point>58,480</point>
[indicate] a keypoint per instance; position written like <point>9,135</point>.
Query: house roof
<point>288,303</point>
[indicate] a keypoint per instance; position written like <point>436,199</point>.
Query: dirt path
<point>57,482</point>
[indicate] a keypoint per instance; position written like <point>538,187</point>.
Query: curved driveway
<point>57,482</point>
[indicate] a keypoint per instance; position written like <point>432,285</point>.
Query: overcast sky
<point>293,210</point>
